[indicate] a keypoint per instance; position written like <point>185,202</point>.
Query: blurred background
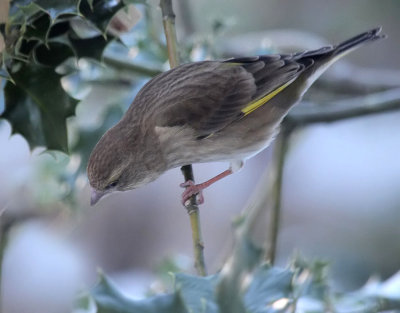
<point>341,182</point>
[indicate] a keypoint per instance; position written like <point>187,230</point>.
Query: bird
<point>207,111</point>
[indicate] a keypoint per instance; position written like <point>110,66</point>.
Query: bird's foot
<point>192,189</point>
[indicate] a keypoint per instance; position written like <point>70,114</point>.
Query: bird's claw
<point>191,189</point>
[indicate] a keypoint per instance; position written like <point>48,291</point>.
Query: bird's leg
<point>193,189</point>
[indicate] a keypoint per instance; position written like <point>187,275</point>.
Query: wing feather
<point>207,96</point>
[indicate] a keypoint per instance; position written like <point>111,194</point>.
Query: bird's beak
<point>96,196</point>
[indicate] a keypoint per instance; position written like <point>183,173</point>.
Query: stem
<point>187,170</point>
<point>378,102</point>
<point>129,66</point>
<point>275,195</point>
<point>194,215</point>
<point>168,16</point>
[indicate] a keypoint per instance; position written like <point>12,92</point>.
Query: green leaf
<point>53,54</point>
<point>23,11</point>
<point>84,302</point>
<point>109,300</point>
<point>4,73</point>
<point>315,283</point>
<point>245,257</point>
<point>90,3</point>
<point>135,2</point>
<point>39,29</point>
<point>269,284</point>
<point>23,115</point>
<point>57,8</point>
<point>92,48</point>
<point>37,106</point>
<point>197,293</point>
<point>101,13</point>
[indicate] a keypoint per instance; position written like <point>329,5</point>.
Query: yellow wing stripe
<point>257,103</point>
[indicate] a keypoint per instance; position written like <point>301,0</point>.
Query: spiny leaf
<point>101,13</point>
<point>23,115</point>
<point>197,293</point>
<point>135,1</point>
<point>57,8</point>
<point>37,106</point>
<point>53,54</point>
<point>90,48</point>
<point>23,11</point>
<point>109,300</point>
<point>269,284</point>
<point>39,29</point>
<point>85,48</point>
<point>4,73</point>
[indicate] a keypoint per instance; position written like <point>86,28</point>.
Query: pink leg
<point>192,189</point>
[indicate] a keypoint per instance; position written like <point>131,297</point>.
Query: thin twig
<point>192,208</point>
<point>168,16</point>
<point>350,79</point>
<point>131,67</point>
<point>194,215</point>
<point>344,109</point>
<point>275,192</point>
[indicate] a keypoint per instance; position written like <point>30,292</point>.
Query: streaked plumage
<point>206,111</point>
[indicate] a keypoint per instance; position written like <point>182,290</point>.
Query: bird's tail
<point>354,42</point>
<point>323,58</point>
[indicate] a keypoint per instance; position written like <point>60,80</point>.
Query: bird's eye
<point>112,185</point>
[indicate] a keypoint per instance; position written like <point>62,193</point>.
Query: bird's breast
<point>180,145</point>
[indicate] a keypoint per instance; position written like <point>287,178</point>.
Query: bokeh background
<point>341,199</point>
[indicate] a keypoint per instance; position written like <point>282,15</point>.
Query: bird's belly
<point>238,143</point>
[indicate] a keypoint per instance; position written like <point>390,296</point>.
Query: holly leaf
<point>197,293</point>
<point>57,8</point>
<point>52,54</point>
<point>40,38</point>
<point>135,2</point>
<point>39,29</point>
<point>37,106</point>
<point>101,12</point>
<point>23,11</point>
<point>90,48</point>
<point>268,285</point>
<point>109,300</point>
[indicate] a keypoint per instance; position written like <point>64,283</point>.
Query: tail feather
<point>352,43</point>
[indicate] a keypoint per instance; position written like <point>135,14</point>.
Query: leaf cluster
<point>303,287</point>
<point>40,36</point>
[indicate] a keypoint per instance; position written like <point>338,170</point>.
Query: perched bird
<point>204,112</point>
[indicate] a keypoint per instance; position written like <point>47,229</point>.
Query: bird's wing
<point>209,95</point>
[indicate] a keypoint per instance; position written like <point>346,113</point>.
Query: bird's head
<point>119,163</point>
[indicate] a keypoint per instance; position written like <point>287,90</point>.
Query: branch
<point>192,208</point>
<point>379,102</point>
<point>194,215</point>
<point>274,194</point>
<point>168,16</point>
<point>351,79</point>
<point>128,66</point>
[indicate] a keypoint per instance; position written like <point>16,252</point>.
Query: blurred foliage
<point>303,287</point>
<point>39,37</point>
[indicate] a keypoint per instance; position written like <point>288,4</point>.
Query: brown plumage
<point>206,111</point>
